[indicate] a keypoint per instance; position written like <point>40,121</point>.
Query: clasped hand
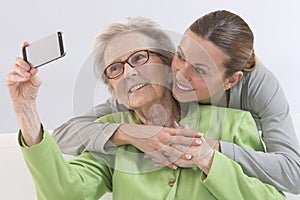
<point>175,147</point>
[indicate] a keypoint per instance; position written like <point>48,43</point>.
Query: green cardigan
<point>129,176</point>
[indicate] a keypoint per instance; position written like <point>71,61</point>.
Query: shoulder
<point>256,90</point>
<point>261,76</point>
<point>263,89</point>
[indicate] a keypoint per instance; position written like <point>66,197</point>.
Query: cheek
<point>119,91</point>
<point>213,87</point>
<point>157,75</point>
<point>121,97</point>
<point>199,82</point>
<point>205,86</point>
<point>117,84</point>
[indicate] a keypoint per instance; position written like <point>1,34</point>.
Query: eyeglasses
<point>136,59</point>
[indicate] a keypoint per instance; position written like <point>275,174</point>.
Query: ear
<point>232,80</point>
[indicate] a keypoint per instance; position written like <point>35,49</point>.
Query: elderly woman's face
<point>140,86</point>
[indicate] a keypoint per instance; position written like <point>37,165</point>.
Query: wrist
<point>32,136</point>
<point>215,144</point>
<point>205,163</point>
<point>120,137</point>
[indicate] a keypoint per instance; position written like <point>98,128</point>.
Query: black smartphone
<point>44,50</point>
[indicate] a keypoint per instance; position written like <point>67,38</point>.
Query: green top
<point>129,176</point>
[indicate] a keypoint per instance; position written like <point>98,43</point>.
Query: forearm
<point>264,98</point>
<point>124,135</point>
<point>267,167</point>
<point>82,133</point>
<point>29,122</point>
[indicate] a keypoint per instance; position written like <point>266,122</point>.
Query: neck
<point>218,100</point>
<point>163,112</point>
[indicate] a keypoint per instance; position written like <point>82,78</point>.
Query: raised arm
<point>53,173</point>
<point>23,86</point>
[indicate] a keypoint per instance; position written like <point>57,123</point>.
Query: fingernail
<point>197,141</point>
<point>174,166</point>
<point>176,125</point>
<point>188,156</point>
<point>199,134</point>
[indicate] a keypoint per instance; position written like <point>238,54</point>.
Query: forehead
<point>126,43</point>
<point>194,47</point>
<point>197,48</point>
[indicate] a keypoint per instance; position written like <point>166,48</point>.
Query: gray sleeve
<point>81,133</point>
<point>280,164</point>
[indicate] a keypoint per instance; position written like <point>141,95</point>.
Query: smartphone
<point>44,50</point>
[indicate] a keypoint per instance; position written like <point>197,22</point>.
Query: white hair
<point>134,25</point>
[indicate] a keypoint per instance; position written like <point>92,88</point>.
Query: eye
<point>180,56</point>
<point>115,67</point>
<point>138,58</point>
<point>200,71</point>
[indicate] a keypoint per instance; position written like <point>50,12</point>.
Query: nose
<point>129,71</point>
<point>182,69</point>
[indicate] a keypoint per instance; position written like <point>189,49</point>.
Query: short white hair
<point>141,25</point>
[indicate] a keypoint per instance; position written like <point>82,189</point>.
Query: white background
<point>276,25</point>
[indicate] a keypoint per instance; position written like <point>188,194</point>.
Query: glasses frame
<point>127,61</point>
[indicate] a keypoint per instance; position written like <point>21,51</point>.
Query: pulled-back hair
<point>232,35</point>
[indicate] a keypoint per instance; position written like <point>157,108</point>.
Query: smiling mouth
<point>137,87</point>
<point>183,88</point>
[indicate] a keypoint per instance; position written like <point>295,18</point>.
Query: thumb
<point>176,125</point>
<point>35,80</point>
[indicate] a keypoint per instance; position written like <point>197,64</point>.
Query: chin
<point>184,97</point>
<point>136,104</point>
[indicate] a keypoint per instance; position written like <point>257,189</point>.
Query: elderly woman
<point>135,66</point>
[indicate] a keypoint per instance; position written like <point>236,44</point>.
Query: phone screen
<point>45,50</point>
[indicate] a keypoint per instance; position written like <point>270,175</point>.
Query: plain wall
<point>276,25</point>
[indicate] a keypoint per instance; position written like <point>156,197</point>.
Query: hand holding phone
<point>44,50</point>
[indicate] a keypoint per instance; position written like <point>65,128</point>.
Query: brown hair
<point>232,35</point>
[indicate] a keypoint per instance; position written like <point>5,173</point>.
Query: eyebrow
<point>194,64</point>
<point>201,65</point>
<point>127,54</point>
<point>179,48</point>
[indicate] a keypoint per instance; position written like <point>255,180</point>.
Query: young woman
<point>231,76</point>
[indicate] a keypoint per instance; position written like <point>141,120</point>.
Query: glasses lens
<point>139,58</point>
<point>114,70</point>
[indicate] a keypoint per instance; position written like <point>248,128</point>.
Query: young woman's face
<point>198,71</point>
<point>138,87</point>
